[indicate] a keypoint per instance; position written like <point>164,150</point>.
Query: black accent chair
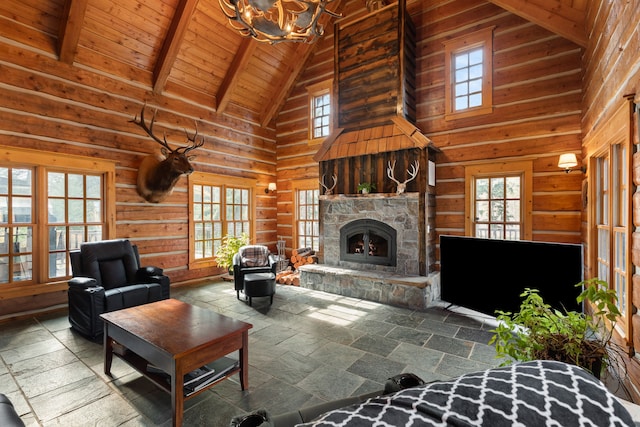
<point>254,272</point>
<point>107,276</point>
<point>8,415</point>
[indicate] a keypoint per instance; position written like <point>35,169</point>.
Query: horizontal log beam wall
<point>49,105</point>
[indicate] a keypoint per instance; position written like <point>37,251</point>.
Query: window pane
<point>4,180</point>
<point>94,186</point>
<point>482,211</point>
<point>475,74</point>
<point>55,184</point>
<point>475,100</point>
<point>93,211</point>
<point>76,185</point>
<point>475,57</point>
<point>513,211</point>
<point>76,212</point>
<point>497,187</point>
<point>482,188</point>
<point>21,209</point>
<point>21,181</point>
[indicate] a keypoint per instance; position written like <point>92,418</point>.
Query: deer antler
<point>149,130</point>
<point>329,191</point>
<point>402,186</point>
<point>195,144</point>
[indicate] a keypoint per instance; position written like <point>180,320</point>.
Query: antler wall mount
<point>159,173</point>
<point>413,172</point>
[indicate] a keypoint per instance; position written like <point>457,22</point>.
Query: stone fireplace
<point>376,246</point>
<point>350,224</point>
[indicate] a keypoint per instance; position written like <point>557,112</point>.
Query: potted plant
<point>539,331</point>
<point>366,187</point>
<point>228,248</point>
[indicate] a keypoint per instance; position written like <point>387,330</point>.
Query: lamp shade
<point>567,161</point>
<point>272,186</point>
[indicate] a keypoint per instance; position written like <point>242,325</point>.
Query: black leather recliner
<point>107,276</point>
<point>8,415</point>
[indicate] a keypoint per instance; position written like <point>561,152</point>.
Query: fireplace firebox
<point>368,241</point>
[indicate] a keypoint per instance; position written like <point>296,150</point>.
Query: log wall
<point>611,86</point>
<point>537,98</point>
<point>49,105</point>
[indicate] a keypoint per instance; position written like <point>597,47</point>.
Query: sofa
<point>8,415</point>
<point>529,394</point>
<point>107,276</point>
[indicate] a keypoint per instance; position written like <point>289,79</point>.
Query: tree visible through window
<point>497,207</point>
<point>498,200</point>
<point>219,207</point>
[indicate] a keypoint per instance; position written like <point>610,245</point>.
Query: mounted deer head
<point>158,174</point>
<point>329,191</point>
<point>402,186</point>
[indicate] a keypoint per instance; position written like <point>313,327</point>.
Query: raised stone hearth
<point>415,292</point>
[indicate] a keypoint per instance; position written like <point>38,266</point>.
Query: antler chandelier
<point>274,21</point>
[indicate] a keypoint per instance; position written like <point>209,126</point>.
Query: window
<point>219,206</point>
<point>45,212</point>
<point>469,69</point>
<point>612,221</point>
<point>319,111</point>
<point>307,216</point>
<point>499,201</point>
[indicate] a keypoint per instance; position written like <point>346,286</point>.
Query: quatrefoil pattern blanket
<point>535,394</point>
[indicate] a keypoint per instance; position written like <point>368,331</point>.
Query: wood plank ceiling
<point>186,47</point>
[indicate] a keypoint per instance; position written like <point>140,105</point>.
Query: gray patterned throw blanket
<point>531,394</point>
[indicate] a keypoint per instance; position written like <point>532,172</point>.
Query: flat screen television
<point>486,275</point>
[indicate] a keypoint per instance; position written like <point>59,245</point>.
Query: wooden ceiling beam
<point>70,27</point>
<point>172,42</point>
<point>552,15</point>
<point>232,77</point>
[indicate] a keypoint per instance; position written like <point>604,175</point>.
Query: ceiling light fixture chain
<point>274,21</point>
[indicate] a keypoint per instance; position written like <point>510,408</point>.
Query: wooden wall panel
<point>48,105</point>
<point>612,71</point>
<point>538,105</point>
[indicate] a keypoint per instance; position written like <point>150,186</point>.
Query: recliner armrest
<point>83,282</point>
<point>144,273</point>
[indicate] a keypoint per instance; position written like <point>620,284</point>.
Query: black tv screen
<point>486,275</point>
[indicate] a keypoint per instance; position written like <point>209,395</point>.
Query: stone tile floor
<point>307,348</point>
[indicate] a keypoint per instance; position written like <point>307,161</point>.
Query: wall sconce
<point>567,161</point>
<point>271,188</point>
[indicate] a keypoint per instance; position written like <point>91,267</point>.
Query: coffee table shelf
<point>225,365</point>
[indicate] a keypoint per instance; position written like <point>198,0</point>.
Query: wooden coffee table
<point>177,338</point>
